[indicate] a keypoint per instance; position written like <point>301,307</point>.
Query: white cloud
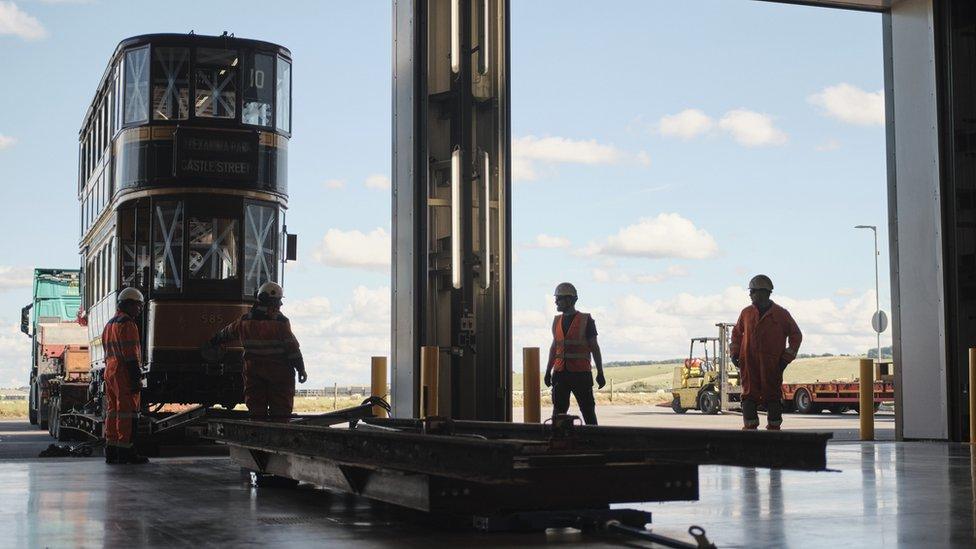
<point>633,327</point>
<point>686,124</point>
<point>547,241</point>
<point>643,158</point>
<point>15,352</point>
<point>355,249</point>
<point>15,22</point>
<point>529,152</point>
<point>844,292</point>
<point>752,129</point>
<point>612,275</point>
<point>828,145</point>
<point>667,235</point>
<point>378,181</point>
<point>851,104</point>
<point>6,141</point>
<point>335,184</point>
<point>12,278</point>
<point>337,343</point>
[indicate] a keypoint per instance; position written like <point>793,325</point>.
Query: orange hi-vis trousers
<point>121,405</point>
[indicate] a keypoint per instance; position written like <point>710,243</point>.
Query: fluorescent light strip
<point>456,218</point>
<point>486,207</point>
<point>455,36</point>
<point>485,46</point>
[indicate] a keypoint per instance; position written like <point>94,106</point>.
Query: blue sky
<point>664,152</point>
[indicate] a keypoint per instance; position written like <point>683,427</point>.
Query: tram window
<point>283,96</point>
<point>171,87</point>
<point>258,93</point>
<point>213,248</point>
<point>117,111</point>
<point>137,86</point>
<point>216,83</point>
<point>168,246</point>
<point>260,226</point>
<point>110,271</point>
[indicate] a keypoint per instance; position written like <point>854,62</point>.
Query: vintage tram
<point>183,188</point>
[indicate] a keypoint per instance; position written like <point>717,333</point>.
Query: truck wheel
<point>676,406</point>
<point>708,403</point>
<point>31,415</point>
<point>802,401</point>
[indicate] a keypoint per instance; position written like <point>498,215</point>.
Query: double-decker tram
<point>183,188</point>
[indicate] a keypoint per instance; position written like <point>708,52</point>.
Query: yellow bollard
<point>531,401</point>
<point>377,386</point>
<point>429,366</point>
<point>866,404</point>
<point>972,395</point>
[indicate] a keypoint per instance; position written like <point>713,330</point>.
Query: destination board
<point>216,155</point>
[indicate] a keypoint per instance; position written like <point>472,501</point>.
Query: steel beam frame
<point>466,467</point>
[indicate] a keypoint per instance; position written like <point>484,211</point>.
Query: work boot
<point>772,428</point>
<point>750,415</point>
<point>130,456</point>
<point>112,455</point>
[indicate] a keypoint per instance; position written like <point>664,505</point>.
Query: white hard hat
<point>565,288</point>
<point>271,290</point>
<point>131,294</point>
<point>761,282</point>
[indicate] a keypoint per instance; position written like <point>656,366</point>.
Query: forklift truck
<point>709,382</point>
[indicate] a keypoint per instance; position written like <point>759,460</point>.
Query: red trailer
<point>836,396</point>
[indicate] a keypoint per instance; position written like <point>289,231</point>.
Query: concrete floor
<point>880,494</point>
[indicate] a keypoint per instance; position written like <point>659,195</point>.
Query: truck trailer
<point>59,371</point>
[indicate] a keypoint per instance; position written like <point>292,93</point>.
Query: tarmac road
<point>21,440</point>
<point>844,426</point>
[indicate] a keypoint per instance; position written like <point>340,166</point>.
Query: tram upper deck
<point>186,111</point>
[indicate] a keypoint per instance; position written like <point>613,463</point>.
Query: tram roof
<point>176,39</point>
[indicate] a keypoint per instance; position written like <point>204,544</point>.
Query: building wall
<point>915,219</point>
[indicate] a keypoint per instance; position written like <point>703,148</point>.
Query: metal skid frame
<point>492,468</point>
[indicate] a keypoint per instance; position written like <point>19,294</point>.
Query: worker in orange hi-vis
<point>271,356</point>
<point>764,341</point>
<point>123,378</point>
<point>574,341</point>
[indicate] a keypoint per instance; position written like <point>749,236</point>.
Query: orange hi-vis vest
<point>572,348</point>
<point>120,340</point>
<point>266,339</point>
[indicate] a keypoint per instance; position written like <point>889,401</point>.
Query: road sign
<point>879,322</point>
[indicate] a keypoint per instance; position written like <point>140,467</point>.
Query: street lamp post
<point>877,292</point>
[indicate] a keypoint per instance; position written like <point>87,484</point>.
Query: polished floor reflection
<point>880,495</point>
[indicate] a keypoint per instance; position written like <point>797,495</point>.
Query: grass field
<point>13,409</point>
<point>653,377</point>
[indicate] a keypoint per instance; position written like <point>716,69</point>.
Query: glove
<point>302,376</point>
<point>210,352</point>
<point>735,361</point>
<point>600,380</point>
<point>548,378</point>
